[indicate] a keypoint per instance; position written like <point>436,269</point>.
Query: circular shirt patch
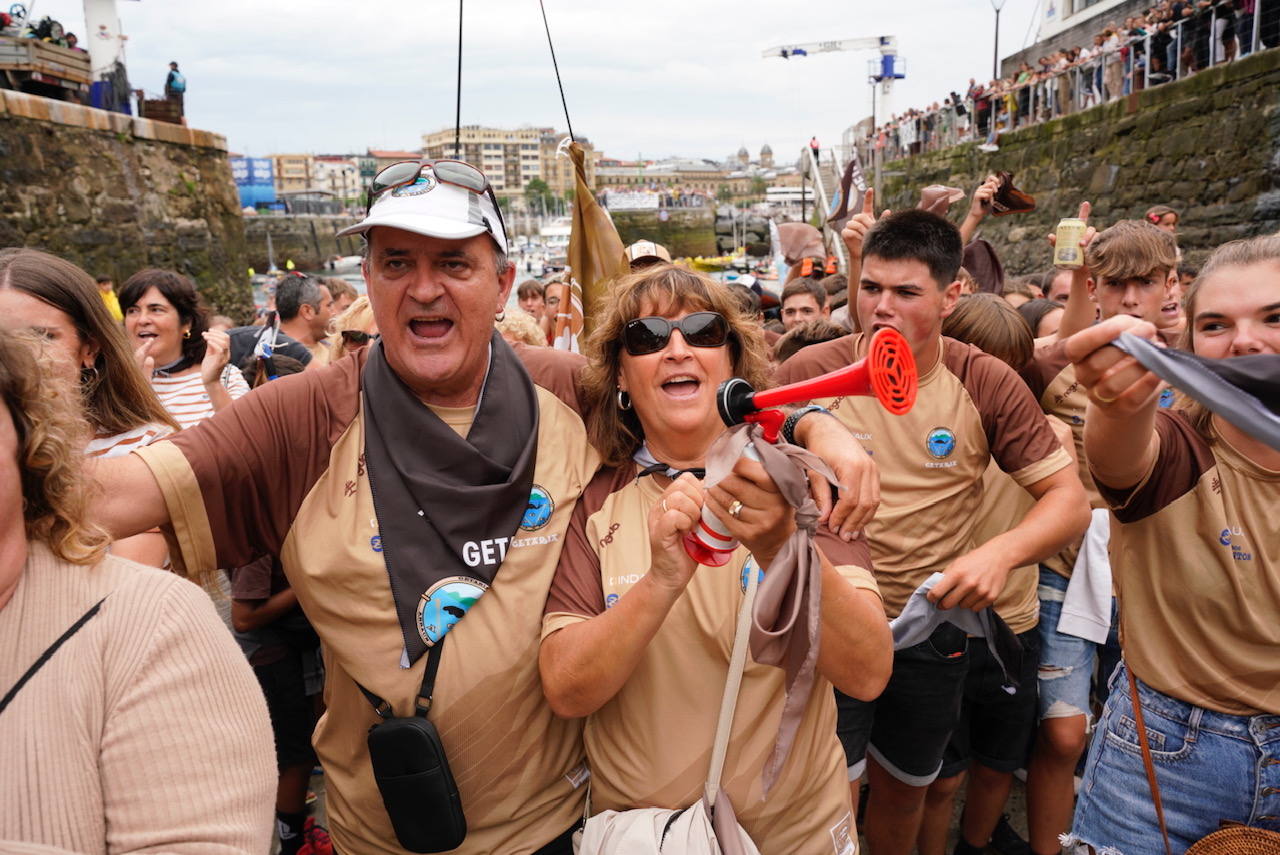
<point>538,513</point>
<point>422,184</point>
<point>444,604</point>
<point>746,568</point>
<point>940,442</point>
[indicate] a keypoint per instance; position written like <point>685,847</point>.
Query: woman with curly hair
<point>632,622</point>
<point>130,722</point>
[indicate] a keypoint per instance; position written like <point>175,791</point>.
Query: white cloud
<point>656,78</point>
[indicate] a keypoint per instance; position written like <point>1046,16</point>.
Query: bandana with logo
<point>447,506</point>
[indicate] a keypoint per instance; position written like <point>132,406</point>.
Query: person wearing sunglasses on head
<point>393,490</point>
<point>632,621</point>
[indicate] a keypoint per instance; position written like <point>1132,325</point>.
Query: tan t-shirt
<point>650,745</point>
<point>282,472</point>
<point>1052,378</point>
<point>1195,554</point>
<point>1004,504</point>
<point>971,409</point>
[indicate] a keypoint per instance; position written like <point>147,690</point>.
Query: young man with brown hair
<point>803,300</point>
<point>971,408</point>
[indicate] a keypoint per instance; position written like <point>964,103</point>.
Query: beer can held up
<point>1067,252</point>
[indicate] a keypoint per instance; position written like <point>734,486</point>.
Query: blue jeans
<point>1210,767</point>
<point>1067,662</point>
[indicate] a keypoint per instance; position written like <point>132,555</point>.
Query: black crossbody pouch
<point>412,772</point>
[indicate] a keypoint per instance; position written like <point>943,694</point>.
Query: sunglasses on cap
<point>455,172</point>
<point>650,335</point>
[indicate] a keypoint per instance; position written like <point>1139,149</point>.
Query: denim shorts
<point>908,727</point>
<point>1067,663</point>
<point>1210,767</point>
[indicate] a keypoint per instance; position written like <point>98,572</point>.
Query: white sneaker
<point>988,147</point>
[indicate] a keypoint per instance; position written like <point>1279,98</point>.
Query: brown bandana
<point>787,613</point>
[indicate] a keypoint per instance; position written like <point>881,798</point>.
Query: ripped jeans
<point>1067,662</point>
<point>1210,767</point>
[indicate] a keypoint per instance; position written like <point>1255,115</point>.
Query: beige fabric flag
<point>596,255</point>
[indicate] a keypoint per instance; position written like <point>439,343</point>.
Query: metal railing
<point>1166,52</point>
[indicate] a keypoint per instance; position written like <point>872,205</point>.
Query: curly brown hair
<point>617,433</point>
<point>49,421</point>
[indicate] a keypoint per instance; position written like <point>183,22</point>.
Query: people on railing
<point>1170,40</point>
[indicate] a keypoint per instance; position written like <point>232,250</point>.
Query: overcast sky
<point>647,78</point>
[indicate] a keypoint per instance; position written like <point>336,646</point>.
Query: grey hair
<point>295,292</point>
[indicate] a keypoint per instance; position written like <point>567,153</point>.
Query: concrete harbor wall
<point>307,240</point>
<point>115,194</point>
<point>1209,146</point>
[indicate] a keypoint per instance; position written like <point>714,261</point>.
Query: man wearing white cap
<point>646,253</point>
<point>393,485</point>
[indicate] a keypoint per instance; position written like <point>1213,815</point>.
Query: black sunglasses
<point>649,335</point>
<point>356,337</point>
<point>456,172</point>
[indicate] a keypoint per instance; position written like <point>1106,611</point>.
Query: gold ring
<point>735,509</point>
<point>1103,399</point>
<point>664,506</point>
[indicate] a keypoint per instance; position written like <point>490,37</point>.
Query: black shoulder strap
<point>423,704</point>
<point>48,654</point>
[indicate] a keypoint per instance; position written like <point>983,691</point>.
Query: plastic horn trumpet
<point>888,372</point>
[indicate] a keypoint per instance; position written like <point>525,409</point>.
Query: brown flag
<point>596,255</point>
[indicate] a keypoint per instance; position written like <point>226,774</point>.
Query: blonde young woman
<point>352,330</point>
<point>1195,552</point>
<point>637,637</point>
<point>143,730</point>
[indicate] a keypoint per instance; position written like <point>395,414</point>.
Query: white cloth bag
<point>707,827</point>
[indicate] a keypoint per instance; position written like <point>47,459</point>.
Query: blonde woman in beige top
<point>144,730</point>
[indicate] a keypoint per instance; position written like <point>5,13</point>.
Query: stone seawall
<point>115,194</point>
<point>1209,146</point>
<point>686,231</point>
<point>307,240</point>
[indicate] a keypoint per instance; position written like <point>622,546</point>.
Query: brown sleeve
<point>1047,363</point>
<point>557,371</point>
<point>815,360</point>
<point>1183,458</point>
<point>576,588</point>
<point>255,462</point>
<point>841,553</point>
<point>253,580</point>
<point>1017,433</point>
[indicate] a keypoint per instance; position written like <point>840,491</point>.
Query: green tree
<point>724,193</point>
<point>538,189</point>
<point>758,186</point>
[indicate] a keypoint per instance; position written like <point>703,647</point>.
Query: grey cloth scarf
<point>448,506</point>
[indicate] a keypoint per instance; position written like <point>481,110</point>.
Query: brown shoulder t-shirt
<point>282,472</point>
<point>650,745</point>
<point>1195,555</point>
<point>971,409</point>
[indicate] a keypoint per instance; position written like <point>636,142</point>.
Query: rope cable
<point>556,66</point>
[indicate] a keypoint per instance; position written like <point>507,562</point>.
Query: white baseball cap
<point>442,209</point>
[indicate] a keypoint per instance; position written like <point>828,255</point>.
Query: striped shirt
<point>120,444</point>
<point>186,400</point>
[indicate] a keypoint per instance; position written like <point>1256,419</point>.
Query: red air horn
<point>888,372</point>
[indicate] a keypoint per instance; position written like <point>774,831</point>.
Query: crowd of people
<point>1170,40</point>
<point>652,620</point>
